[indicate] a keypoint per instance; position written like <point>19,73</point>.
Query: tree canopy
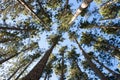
<point>60,39</point>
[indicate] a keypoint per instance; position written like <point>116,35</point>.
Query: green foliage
<point>58,69</point>
<point>98,1</point>
<point>86,39</point>
<point>86,24</point>
<point>22,31</point>
<point>110,30</point>
<point>116,53</point>
<point>72,54</point>
<point>85,64</point>
<point>109,10</point>
<point>62,50</point>
<point>54,3</point>
<point>64,18</point>
<point>52,39</point>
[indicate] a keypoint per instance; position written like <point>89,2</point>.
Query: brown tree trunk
<point>66,4</point>
<point>6,40</point>
<point>111,71</point>
<point>62,71</point>
<point>6,59</point>
<point>80,72</point>
<point>29,9</point>
<point>37,71</point>
<point>46,75</point>
<point>42,10</point>
<point>14,28</point>
<point>23,70</point>
<point>15,71</point>
<point>78,67</point>
<point>92,65</point>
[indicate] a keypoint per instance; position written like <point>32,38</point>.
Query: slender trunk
<point>80,9</point>
<point>6,40</point>
<point>92,65</point>
<point>6,59</point>
<point>37,71</point>
<point>78,67</point>
<point>81,77</point>
<point>106,4</point>
<point>62,71</point>
<point>15,71</point>
<point>29,9</point>
<point>107,45</point>
<point>106,27</point>
<point>111,71</point>
<point>80,72</point>
<point>66,4</point>
<point>102,23</point>
<point>14,28</point>
<point>42,10</point>
<point>46,75</point>
<point>23,70</point>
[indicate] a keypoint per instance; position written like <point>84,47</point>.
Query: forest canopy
<point>59,39</point>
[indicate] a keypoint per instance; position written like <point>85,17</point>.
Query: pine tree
<point>37,71</point>
<point>27,27</point>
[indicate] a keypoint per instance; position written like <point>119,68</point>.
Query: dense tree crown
<point>59,39</point>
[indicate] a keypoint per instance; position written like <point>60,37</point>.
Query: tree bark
<point>6,59</point>
<point>92,65</point>
<point>62,71</point>
<point>46,76</point>
<point>15,72</point>
<point>42,10</point>
<point>37,71</point>
<point>78,67</point>
<point>23,70</point>
<point>29,9</point>
<point>66,4</point>
<point>14,28</point>
<point>7,40</point>
<point>111,71</point>
<point>80,72</point>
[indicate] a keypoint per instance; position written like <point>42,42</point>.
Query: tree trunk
<point>14,28</point>
<point>37,71</point>
<point>80,72</point>
<point>23,70</point>
<point>62,71</point>
<point>81,77</point>
<point>29,9</point>
<point>111,71</point>
<point>66,4</point>
<point>92,65</point>
<point>6,40</point>
<point>48,77</point>
<point>4,60</point>
<point>45,76</point>
<point>42,10</point>
<point>78,67</point>
<point>15,71</point>
<point>84,5</point>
